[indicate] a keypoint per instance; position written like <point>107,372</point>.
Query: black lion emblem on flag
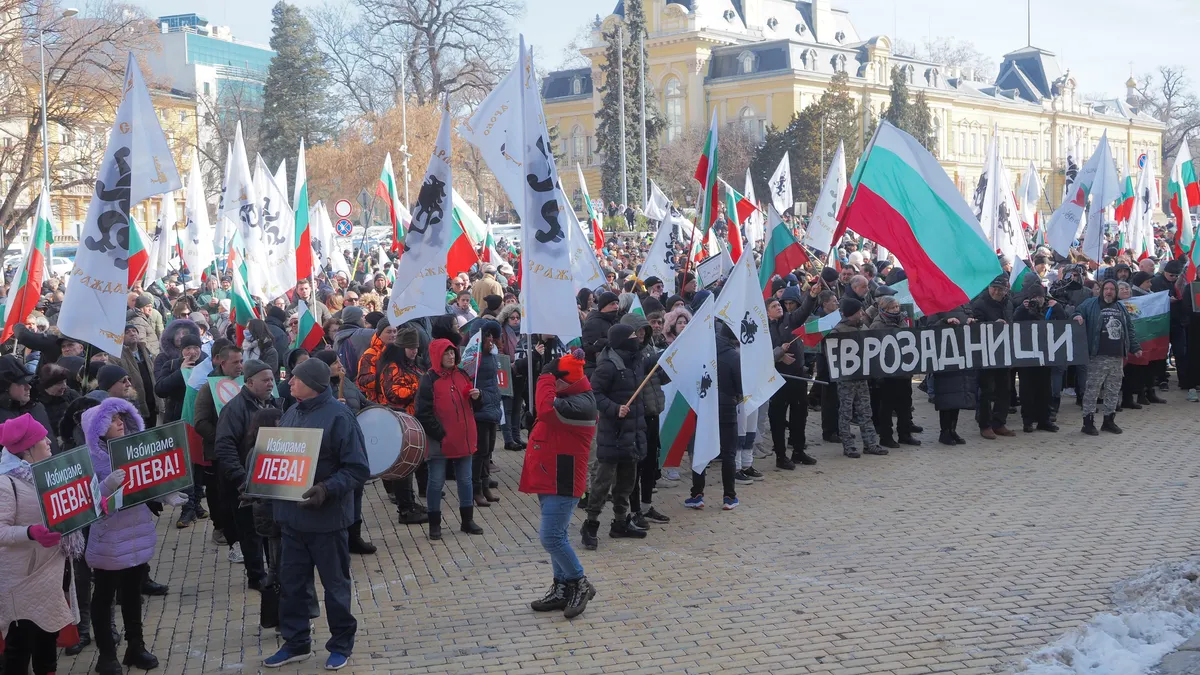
<point>749,329</point>
<point>428,210</point>
<point>705,383</point>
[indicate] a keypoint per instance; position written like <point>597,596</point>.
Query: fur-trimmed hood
<point>167,342</point>
<point>95,425</point>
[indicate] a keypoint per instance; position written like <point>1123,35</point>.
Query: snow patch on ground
<point>1155,613</point>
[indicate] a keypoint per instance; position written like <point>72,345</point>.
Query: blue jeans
<point>556,520</point>
<point>512,423</point>
<point>437,479</point>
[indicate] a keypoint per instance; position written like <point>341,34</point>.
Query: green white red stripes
<point>902,199</point>
<point>815,329</point>
<point>139,254</point>
<point>1183,191</point>
<point>706,175</point>
<point>594,219</point>
<point>781,254</point>
<point>386,189</point>
<point>304,250</point>
<point>308,332</point>
<point>241,307</point>
<point>676,428</point>
<point>467,231</point>
<point>1151,319</point>
<point>26,290</point>
<point>737,210</point>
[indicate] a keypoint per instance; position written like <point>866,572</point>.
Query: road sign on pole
<point>343,208</point>
<point>344,228</point>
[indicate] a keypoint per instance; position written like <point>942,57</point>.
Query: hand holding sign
<point>42,535</point>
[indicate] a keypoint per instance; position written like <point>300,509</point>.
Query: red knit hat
<point>21,433</point>
<point>572,365</point>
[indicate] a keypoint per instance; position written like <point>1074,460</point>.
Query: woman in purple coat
<point>120,545</point>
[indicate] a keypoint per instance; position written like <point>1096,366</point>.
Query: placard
<point>283,463</point>
<point>225,389</point>
<point>67,489</point>
<point>908,351</point>
<point>156,463</point>
<point>504,374</point>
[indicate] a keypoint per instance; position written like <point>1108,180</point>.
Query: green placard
<point>283,463</point>
<point>67,490</point>
<point>1194,287</point>
<point>224,389</point>
<point>156,463</point>
<point>504,374</point>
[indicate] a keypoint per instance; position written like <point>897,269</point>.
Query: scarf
<point>16,468</point>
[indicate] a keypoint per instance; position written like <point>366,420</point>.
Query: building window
<point>206,89</point>
<point>182,116</point>
<point>591,150</point>
<point>578,145</point>
<point>839,63</point>
<point>962,142</point>
<point>751,124</point>
<point>673,108</point>
<point>1005,147</point>
<point>576,86</point>
<point>974,144</point>
<point>746,63</point>
<point>809,58</point>
<point>1045,149</point>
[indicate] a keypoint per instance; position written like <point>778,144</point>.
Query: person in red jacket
<point>446,402</point>
<point>556,471</point>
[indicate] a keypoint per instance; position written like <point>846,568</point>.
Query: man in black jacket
<point>788,408</point>
<point>232,447</point>
<point>1181,314</point>
<point>993,306</point>
<point>16,397</point>
<point>1036,403</point>
<point>596,327</point>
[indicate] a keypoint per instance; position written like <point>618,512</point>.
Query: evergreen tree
<point>899,111</point>
<point>608,130</point>
<point>296,101</point>
<point>922,123</point>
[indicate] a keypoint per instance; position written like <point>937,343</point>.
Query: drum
<point>395,442</point>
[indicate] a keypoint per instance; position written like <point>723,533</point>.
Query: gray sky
<point>1092,38</point>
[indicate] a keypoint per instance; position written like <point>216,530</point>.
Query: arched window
<point>908,74</point>
<point>750,122</point>
<point>578,146</point>
<point>934,77</point>
<point>746,62</point>
<point>839,63</point>
<point>673,108</point>
<point>576,86</point>
<point>809,58</point>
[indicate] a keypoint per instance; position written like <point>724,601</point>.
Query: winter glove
<point>114,481</point>
<point>43,536</point>
<point>175,499</point>
<point>314,496</point>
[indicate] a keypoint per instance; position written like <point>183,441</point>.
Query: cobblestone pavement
<point>933,559</point>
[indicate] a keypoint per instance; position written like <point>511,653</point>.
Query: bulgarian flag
<point>706,175</point>
<point>195,442</point>
<point>304,250</point>
<point>593,214</point>
<point>1022,277</point>
<point>1151,317</point>
<point>1183,191</point>
<point>636,307</point>
<point>26,290</point>
<point>677,426</point>
<point>737,210</point>
<point>781,254</point>
<point>397,214</point>
<point>241,307</point>
<point>139,255</point>
<point>468,231</point>
<point>308,332</point>
<point>490,253</point>
<point>815,329</point>
<point>902,199</point>
<point>1124,207</point>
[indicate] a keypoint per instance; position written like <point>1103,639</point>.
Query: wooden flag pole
<point>642,385</point>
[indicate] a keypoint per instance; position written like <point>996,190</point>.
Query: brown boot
<point>987,433</point>
<point>480,500</point>
<point>1003,431</point>
<point>489,495</point>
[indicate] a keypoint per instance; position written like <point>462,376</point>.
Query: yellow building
<point>757,62</point>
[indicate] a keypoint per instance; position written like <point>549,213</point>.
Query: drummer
<point>388,375</point>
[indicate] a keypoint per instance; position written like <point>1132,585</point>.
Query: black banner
<point>908,351</point>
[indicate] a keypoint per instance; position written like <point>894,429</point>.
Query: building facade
<point>758,62</point>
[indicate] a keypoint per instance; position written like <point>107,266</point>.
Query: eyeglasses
<point>350,300</point>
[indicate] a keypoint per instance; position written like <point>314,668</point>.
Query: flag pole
<point>643,384</point>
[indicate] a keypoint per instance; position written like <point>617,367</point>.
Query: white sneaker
<point>1068,392</point>
<point>673,474</point>
<point>235,554</point>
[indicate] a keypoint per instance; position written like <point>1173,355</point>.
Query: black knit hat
<point>850,307</point>
<point>108,376</point>
<point>314,374</point>
<point>605,299</point>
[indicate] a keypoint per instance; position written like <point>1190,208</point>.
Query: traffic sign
<point>344,228</point>
<point>343,208</point>
<point>1141,162</point>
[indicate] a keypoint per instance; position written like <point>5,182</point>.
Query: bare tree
<point>448,47</point>
<point>85,64</point>
<point>1167,95</point>
<point>677,161</point>
<point>950,52</point>
<point>571,56</point>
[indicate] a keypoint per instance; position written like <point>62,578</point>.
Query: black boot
<point>77,648</point>
<point>1089,425</point>
<point>802,457</point>
<point>556,598</point>
<point>1110,424</point>
<point>589,532</point>
<point>1153,397</point>
<point>908,439</point>
<point>137,657</point>
<point>782,462</point>
<point>468,520</point>
<point>947,437</point>
<point>109,665</point>
<point>412,516</point>
<point>581,591</point>
<point>620,529</point>
<point>1127,401</point>
<point>357,543</point>
<point>435,525</point>
<point>888,442</point>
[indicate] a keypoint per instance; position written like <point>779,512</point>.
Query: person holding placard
<point>33,605</point>
<point>315,531</point>
<point>119,546</point>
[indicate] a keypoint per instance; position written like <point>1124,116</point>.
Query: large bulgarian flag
<point>815,329</point>
<point>192,389</point>
<point>901,198</point>
<point>304,250</point>
<point>26,290</point>
<point>1183,192</point>
<point>781,253</point>
<point>308,331</point>
<point>1151,317</point>
<point>676,428</point>
<point>706,175</point>
<point>467,231</point>
<point>593,214</point>
<point>1124,207</point>
<point>397,214</point>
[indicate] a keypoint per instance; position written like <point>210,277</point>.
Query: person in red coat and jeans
<point>446,403</point>
<point>555,470</point>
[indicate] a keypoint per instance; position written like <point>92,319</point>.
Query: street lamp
<point>67,13</point>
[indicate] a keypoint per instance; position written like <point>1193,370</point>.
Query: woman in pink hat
<point>34,605</point>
